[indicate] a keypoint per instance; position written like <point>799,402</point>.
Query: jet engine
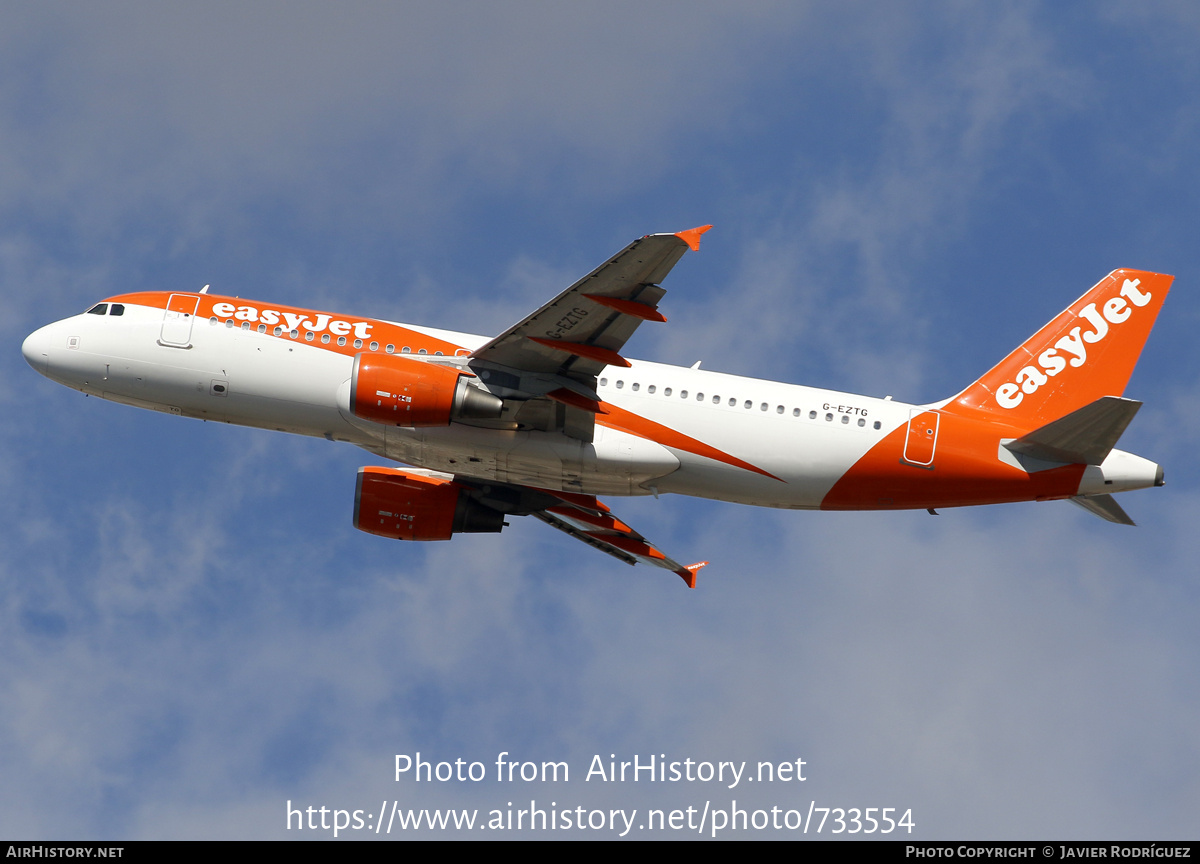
<point>400,391</point>
<point>395,503</point>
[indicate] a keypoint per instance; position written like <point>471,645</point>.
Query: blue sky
<point>193,634</point>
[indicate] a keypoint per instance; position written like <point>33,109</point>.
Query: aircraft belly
<point>613,464</point>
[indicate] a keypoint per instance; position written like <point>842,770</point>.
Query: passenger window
<point>309,336</point>
<point>325,337</point>
<point>391,349</point>
<point>716,400</point>
<point>762,407</point>
<point>262,328</point>
<point>795,412</point>
<point>778,409</point>
<point>748,405</point>
<point>862,422</point>
<point>650,389</point>
<point>699,397</point>
<point>635,386</point>
<point>682,394</point>
<point>603,382</point>
<point>667,392</point>
<point>404,350</point>
<point>358,342</point>
<point>341,340</point>
<point>828,418</point>
<point>620,384</point>
<point>245,325</point>
<point>812,415</point>
<point>845,419</point>
<point>278,331</point>
<point>877,424</point>
<point>732,402</point>
<point>375,347</point>
<point>98,309</point>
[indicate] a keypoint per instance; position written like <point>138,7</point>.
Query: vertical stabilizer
<point>1087,351</point>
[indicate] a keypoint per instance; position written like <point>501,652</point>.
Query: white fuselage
<point>803,437</point>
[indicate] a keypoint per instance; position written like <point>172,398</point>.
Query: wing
<point>582,516</point>
<point>565,344</point>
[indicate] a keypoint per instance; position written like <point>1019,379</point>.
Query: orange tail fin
<point>1087,351</point>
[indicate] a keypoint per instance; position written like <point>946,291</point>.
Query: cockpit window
<point>99,309</point>
<point>117,309</point>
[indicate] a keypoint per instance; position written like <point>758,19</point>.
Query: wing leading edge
<point>583,517</point>
<point>584,328</point>
<point>593,523</point>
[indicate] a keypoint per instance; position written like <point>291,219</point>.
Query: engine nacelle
<point>394,503</point>
<point>400,391</point>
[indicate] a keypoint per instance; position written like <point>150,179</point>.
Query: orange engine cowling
<point>394,503</point>
<point>400,391</point>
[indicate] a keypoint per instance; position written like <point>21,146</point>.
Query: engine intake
<point>400,391</point>
<point>394,503</point>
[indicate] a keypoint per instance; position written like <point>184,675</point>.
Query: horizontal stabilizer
<point>1085,436</point>
<point>1104,506</point>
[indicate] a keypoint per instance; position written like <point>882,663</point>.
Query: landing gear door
<point>177,321</point>
<point>921,441</point>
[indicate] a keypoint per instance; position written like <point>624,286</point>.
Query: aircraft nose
<point>36,349</point>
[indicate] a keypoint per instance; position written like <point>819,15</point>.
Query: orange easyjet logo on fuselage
<point>1073,346</point>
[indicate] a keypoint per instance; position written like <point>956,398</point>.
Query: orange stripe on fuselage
<point>274,315</point>
<point>965,470</point>
<point>626,421</point>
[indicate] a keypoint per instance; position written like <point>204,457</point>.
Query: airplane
<point>547,416</point>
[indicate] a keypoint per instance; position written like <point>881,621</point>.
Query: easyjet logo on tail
<point>1071,350</point>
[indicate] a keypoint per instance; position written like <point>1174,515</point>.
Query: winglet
<point>692,236</point>
<point>688,573</point>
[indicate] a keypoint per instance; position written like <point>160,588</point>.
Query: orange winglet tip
<point>567,397</point>
<point>590,352</point>
<point>692,237</point>
<point>628,307</point>
<point>688,573</point>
